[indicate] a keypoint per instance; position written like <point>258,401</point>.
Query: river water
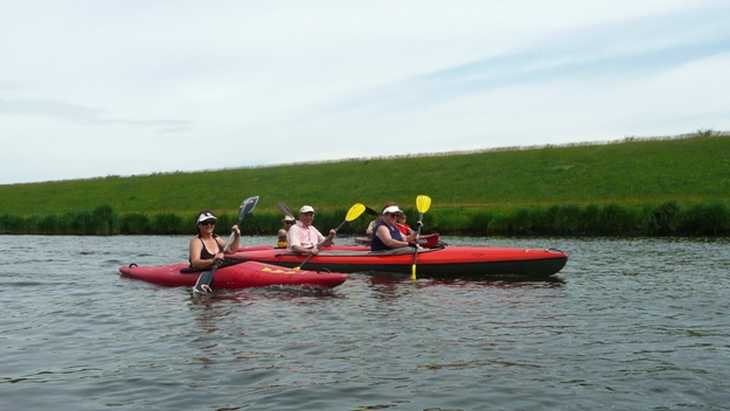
<point>638,324</point>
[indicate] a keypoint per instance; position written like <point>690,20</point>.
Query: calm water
<point>636,324</point>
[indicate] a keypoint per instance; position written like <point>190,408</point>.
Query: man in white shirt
<point>304,238</point>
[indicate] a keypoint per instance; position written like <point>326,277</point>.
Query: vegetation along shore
<point>635,187</point>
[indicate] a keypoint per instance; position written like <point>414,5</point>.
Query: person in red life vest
<point>304,238</point>
<point>206,248</point>
<point>386,234</point>
<point>400,222</point>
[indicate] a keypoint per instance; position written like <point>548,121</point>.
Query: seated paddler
<point>386,234</point>
<point>303,238</point>
<point>206,248</point>
<point>281,236</point>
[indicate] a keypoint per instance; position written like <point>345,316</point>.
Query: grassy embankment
<point>677,186</point>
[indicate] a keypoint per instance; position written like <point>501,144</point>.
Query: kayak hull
<point>487,262</point>
<point>242,275</point>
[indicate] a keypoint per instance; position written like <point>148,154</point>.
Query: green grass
<point>632,175</point>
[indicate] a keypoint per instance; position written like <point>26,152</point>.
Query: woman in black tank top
<point>204,253</point>
<point>206,248</point>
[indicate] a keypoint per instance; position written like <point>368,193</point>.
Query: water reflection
<point>388,282</point>
<point>208,310</point>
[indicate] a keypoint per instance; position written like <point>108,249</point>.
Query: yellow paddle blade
<point>413,272</point>
<point>423,203</point>
<point>355,211</point>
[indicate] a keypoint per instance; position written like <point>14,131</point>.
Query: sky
<point>96,88</point>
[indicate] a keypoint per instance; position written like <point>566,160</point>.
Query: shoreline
<point>704,219</point>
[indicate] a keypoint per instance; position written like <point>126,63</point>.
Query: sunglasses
<point>288,222</point>
<point>209,222</point>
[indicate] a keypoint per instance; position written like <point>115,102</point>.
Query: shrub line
<point>667,219</point>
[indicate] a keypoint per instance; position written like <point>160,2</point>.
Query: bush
<point>169,223</point>
<point>712,219</point>
<point>134,223</point>
<point>10,224</point>
<point>663,220</point>
<point>50,224</point>
<point>557,220</point>
<point>80,222</point>
<point>616,220</point>
<point>517,222</point>
<point>591,220</point>
<point>104,221</point>
<point>479,223</point>
<point>706,219</point>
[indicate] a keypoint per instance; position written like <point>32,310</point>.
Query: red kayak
<point>450,261</point>
<point>241,275</point>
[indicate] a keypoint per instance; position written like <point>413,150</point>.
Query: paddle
<point>423,203</point>
<point>205,279</point>
<point>352,214</point>
<point>375,214</point>
<point>284,209</point>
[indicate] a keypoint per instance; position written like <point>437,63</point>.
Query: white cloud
<point>257,79</point>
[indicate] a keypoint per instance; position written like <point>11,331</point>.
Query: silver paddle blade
<point>247,207</point>
<point>284,209</point>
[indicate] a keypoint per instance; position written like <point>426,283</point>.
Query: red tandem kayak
<point>241,275</point>
<point>450,261</point>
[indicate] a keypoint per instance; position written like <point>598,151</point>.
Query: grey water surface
<point>636,324</point>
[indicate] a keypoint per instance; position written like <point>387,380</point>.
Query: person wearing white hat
<point>206,248</point>
<point>287,222</point>
<point>386,234</point>
<point>304,238</point>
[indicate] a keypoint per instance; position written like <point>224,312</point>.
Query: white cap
<point>306,209</point>
<point>289,218</point>
<point>206,216</point>
<point>392,210</point>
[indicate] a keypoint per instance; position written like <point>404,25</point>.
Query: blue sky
<point>98,88</point>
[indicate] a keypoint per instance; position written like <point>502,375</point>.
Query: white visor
<point>392,210</point>
<point>206,217</point>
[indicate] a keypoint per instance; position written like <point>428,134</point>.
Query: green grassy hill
<point>633,173</point>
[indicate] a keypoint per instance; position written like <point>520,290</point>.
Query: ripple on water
<point>638,324</point>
